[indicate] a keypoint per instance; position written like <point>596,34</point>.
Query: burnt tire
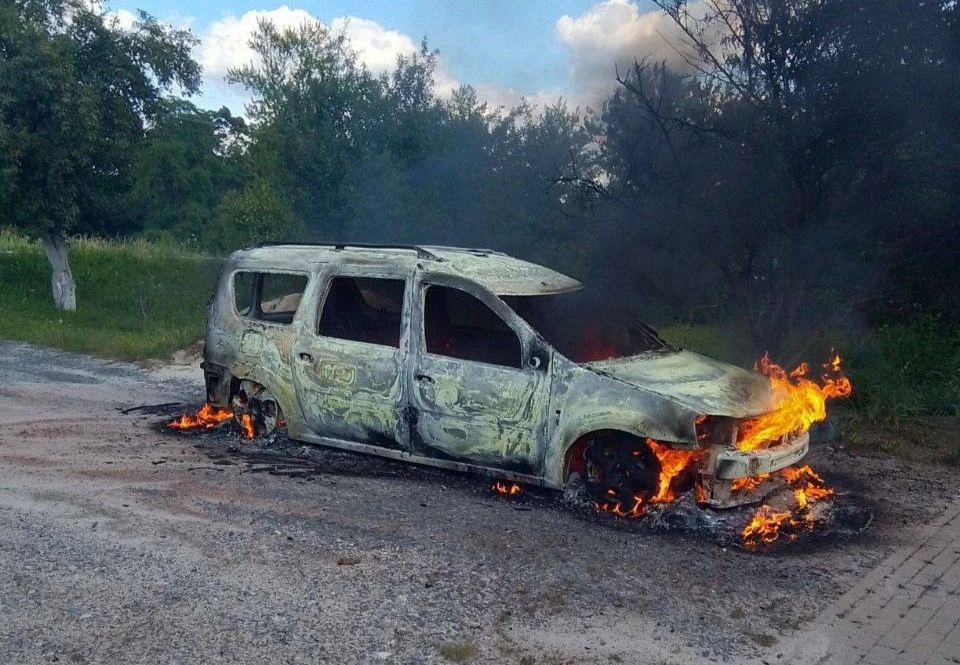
<point>255,403</point>
<point>620,470</point>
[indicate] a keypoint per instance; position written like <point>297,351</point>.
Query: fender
<point>590,402</point>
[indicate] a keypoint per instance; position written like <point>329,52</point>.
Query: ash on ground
<point>836,518</point>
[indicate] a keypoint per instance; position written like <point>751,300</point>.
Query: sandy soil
<point>120,543</point>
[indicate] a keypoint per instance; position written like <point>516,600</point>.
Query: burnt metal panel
<point>703,384</point>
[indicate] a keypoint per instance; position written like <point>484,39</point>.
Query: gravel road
<point>120,543</point>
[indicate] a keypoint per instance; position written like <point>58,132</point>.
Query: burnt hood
<point>703,384</point>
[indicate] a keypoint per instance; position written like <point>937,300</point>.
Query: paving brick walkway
<point>907,610</point>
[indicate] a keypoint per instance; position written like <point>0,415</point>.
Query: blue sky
<point>538,49</point>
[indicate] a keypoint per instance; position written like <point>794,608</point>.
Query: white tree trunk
<point>61,279</point>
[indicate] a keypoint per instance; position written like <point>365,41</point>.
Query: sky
<point>540,50</point>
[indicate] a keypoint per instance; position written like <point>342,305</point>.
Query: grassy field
<point>135,300</point>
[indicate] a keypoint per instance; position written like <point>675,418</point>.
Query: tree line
<point>801,170</point>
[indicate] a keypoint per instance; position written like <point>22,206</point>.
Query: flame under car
<point>476,361</point>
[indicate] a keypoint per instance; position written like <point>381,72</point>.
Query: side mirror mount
<point>539,356</point>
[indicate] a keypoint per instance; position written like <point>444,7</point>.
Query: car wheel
<point>256,410</point>
<point>621,471</point>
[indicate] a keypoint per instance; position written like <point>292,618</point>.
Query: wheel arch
<point>574,457</point>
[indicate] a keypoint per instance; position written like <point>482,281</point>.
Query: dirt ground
<point>120,543</point>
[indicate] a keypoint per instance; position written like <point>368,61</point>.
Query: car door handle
<point>423,378</point>
<point>306,357</point>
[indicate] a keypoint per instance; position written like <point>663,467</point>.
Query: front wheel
<point>622,473</point>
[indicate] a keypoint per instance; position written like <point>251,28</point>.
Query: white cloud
<point>122,18</point>
<point>225,45</point>
<point>615,33</point>
<point>377,47</point>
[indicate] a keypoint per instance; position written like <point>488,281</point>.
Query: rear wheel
<point>256,410</point>
<point>621,471</point>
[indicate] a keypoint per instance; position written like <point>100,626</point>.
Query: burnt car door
<point>348,366</point>
<point>480,378</point>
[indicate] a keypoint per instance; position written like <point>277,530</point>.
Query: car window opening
<point>268,296</point>
<point>458,325</point>
<point>363,309</point>
<point>586,327</point>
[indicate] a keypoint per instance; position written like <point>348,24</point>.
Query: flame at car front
<point>800,402</point>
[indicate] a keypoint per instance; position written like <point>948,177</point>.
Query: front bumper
<point>723,465</point>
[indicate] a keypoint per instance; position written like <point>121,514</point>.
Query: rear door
<point>480,382</point>
<point>348,365</point>
<point>267,304</point>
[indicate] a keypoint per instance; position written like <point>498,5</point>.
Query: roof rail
<point>422,252</point>
<point>476,251</point>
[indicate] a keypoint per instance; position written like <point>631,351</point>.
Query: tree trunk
<point>61,279</point>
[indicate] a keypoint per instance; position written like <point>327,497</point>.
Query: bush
<point>901,372</point>
<point>255,214</point>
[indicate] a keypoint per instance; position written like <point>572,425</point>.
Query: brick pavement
<point>906,611</point>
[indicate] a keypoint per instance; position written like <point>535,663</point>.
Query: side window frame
<point>258,292</point>
<point>323,291</point>
<point>499,308</point>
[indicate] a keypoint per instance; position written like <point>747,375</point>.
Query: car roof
<point>502,274</point>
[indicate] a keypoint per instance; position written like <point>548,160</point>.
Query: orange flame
<point>246,425</point>
<point>748,483</point>
<point>672,464</point>
<point>209,416</point>
<point>767,525</point>
<point>501,487</point>
<point>800,402</point>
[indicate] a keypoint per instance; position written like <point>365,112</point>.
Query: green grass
<point>906,371</point>
<point>728,342</point>
<point>135,300</point>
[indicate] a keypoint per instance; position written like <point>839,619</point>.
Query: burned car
<point>463,359</point>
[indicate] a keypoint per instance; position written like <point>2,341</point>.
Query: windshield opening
<point>585,327</point>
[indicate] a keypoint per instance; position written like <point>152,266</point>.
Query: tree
<point>189,159</point>
<point>75,92</point>
<point>796,154</point>
<point>253,214</point>
<point>385,159</point>
<point>317,108</point>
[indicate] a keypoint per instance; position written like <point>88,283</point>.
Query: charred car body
<point>460,358</point>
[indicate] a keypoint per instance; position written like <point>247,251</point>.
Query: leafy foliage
<point>75,90</point>
<point>795,164</point>
<point>253,214</point>
<point>189,160</point>
<point>384,159</point>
